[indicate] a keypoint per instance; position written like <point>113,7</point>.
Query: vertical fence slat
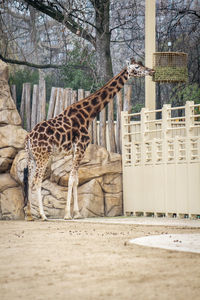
<point>61,99</point>
<point>57,103</point>
<point>94,132</point>
<point>80,94</point>
<point>34,105</point>
<point>68,96</point>
<point>90,129</point>
<point>52,103</point>
<point>42,101</point>
<point>127,97</point>
<point>118,126</point>
<point>28,105</point>
<point>22,105</point>
<point>14,93</point>
<point>74,97</point>
<point>102,128</point>
<point>111,129</point>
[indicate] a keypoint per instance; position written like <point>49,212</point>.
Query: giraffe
<point>68,133</point>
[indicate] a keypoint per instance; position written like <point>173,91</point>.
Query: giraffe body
<point>68,133</point>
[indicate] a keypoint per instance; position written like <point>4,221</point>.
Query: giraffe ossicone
<point>68,133</point>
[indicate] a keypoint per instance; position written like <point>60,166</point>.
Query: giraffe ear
<point>133,61</point>
<point>140,63</point>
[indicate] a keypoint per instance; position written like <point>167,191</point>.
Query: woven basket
<point>170,67</point>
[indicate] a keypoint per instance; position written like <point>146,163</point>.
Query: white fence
<point>161,161</point>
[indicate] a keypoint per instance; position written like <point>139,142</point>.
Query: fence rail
<point>35,108</point>
<point>161,161</point>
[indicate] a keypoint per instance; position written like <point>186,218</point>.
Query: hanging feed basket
<point>170,67</point>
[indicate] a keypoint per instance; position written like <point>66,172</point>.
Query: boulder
<point>12,136</point>
<point>18,165</point>
<point>96,163</point>
<point>11,117</point>
<point>3,71</point>
<point>6,182</point>
<point>90,197</point>
<point>113,204</point>
<point>11,198</point>
<point>7,155</point>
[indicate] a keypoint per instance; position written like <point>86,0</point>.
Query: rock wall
<point>12,137</point>
<point>100,183</point>
<point>100,173</point>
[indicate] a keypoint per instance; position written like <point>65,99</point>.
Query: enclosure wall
<point>161,161</point>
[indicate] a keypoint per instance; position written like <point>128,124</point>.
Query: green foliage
<point>137,108</point>
<point>21,76</point>
<point>76,78</point>
<point>190,92</point>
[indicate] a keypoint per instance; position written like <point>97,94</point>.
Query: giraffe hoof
<point>44,218</point>
<point>29,218</point>
<point>67,217</point>
<point>77,215</point>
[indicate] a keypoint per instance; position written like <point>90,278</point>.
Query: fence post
<point>118,126</point>
<point>80,94</point>
<point>34,105</point>
<point>68,97</point>
<point>127,98</point>
<point>62,100</point>
<point>13,93</point>
<point>125,137</point>
<point>41,113</point>
<point>111,129</point>
<point>52,103</point>
<point>90,129</point>
<point>102,128</point>
<point>74,97</point>
<point>143,135</point>
<point>59,102</point>
<point>165,129</point>
<point>189,122</point>
<point>94,135</point>
<point>28,105</point>
<point>22,105</point>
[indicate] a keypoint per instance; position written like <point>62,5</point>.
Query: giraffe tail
<point>25,185</point>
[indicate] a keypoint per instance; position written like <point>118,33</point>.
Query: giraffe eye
<point>136,67</point>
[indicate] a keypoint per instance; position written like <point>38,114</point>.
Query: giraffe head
<point>137,69</point>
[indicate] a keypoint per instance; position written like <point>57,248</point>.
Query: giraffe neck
<point>94,103</point>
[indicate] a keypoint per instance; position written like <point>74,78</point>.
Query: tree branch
<point>41,66</point>
<point>57,15</point>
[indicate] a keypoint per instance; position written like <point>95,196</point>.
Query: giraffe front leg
<point>77,214</point>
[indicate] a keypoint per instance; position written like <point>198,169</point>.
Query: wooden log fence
<point>105,129</point>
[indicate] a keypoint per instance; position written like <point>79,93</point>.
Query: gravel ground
<point>94,259</point>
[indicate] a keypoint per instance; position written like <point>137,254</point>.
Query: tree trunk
<point>103,35</point>
<point>103,55</point>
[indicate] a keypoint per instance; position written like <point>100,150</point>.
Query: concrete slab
<point>177,242</point>
<point>145,221</point>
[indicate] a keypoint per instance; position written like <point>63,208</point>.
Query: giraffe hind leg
<point>37,185</point>
<point>67,215</point>
<point>28,174</point>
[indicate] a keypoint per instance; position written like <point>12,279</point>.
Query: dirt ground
<point>78,260</point>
